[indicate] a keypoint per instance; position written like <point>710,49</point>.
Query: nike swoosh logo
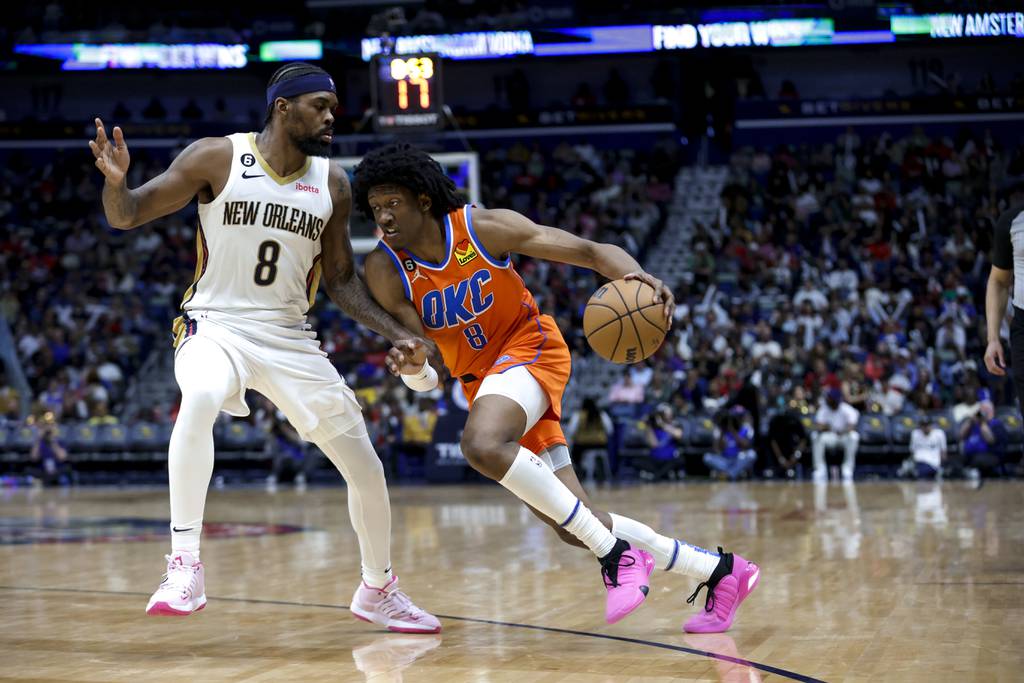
<point>258,175</point>
<point>177,530</point>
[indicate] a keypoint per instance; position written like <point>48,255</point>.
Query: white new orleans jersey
<point>258,242</point>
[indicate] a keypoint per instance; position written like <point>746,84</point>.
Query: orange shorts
<point>540,348</point>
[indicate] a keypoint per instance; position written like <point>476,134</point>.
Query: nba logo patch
<point>464,252</point>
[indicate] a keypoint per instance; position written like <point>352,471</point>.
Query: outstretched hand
<point>407,356</point>
<point>662,294</point>
<point>111,155</point>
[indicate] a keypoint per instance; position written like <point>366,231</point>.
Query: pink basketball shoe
<point>732,581</point>
<point>392,609</point>
<point>183,590</point>
<point>626,572</point>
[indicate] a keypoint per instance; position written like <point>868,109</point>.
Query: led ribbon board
<point>85,56</point>
<point>977,25</point>
<point>770,33</point>
<point>291,50</point>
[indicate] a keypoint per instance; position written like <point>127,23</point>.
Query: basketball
<point>623,323</point>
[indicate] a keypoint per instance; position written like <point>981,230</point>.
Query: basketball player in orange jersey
<point>273,210</point>
<point>444,270</point>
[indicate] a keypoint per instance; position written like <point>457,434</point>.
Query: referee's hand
<point>994,360</point>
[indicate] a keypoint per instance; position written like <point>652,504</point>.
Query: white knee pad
<point>519,385</point>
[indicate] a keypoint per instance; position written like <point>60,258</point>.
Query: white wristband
<point>424,380</point>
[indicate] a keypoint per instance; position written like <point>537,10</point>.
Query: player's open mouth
<point>327,137</point>
<point>389,232</point>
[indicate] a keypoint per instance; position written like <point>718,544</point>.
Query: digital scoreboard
<point>407,92</point>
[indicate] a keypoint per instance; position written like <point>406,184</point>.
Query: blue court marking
<point>768,668</point>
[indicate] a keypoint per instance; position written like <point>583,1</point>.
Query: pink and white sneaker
<point>183,590</point>
<point>392,609</point>
<point>732,581</point>
<point>626,572</point>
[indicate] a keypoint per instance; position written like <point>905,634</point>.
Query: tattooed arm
<point>343,283</point>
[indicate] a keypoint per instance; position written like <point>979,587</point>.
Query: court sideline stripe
<point>768,668</point>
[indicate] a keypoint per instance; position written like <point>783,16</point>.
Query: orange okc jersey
<point>484,320</point>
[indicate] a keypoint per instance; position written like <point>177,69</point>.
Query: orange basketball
<point>623,323</point>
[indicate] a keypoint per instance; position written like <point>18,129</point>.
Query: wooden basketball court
<point>882,581</point>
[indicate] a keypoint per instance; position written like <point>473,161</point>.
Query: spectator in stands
<point>980,447</point>
<point>765,347</point>
<point>855,387</point>
<point>626,390</point>
<point>734,446</point>
<point>787,441</point>
<point>290,454</point>
<point>101,415</point>
<point>588,432</point>
<point>835,425</point>
<point>10,404</point>
<point>664,437</point>
<point>927,449</point>
<point>48,459</point>
<point>418,426</point>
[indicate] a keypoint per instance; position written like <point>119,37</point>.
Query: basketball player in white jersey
<point>273,211</point>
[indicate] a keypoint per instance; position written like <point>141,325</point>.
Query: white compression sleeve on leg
<point>368,505</point>
<point>206,378</point>
<point>534,483</point>
<point>672,555</point>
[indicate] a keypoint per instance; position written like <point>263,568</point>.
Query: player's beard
<point>311,146</point>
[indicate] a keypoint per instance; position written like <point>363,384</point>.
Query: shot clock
<point>407,92</point>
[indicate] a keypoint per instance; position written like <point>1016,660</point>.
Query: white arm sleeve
<point>424,380</point>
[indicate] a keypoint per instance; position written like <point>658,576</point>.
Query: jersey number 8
<point>266,267</point>
<point>475,336</point>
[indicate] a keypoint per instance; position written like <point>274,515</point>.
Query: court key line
<point>768,668</point>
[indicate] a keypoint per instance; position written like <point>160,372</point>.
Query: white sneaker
<point>392,609</point>
<point>183,590</point>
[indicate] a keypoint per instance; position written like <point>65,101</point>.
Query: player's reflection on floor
<point>723,644</point>
<point>384,659</point>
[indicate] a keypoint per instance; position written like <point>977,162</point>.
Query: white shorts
<point>285,365</point>
<point>519,385</point>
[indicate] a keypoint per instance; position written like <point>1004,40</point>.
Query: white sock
<point>374,578</point>
<point>369,507</point>
<point>185,537</point>
<point>671,554</point>
<point>530,480</point>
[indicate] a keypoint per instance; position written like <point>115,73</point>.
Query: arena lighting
<point>86,57</point>
<point>976,25</point>
<point>289,50</point>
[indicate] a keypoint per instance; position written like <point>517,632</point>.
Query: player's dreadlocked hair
<point>287,73</point>
<point>409,167</point>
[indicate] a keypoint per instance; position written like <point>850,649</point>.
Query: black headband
<point>300,85</point>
